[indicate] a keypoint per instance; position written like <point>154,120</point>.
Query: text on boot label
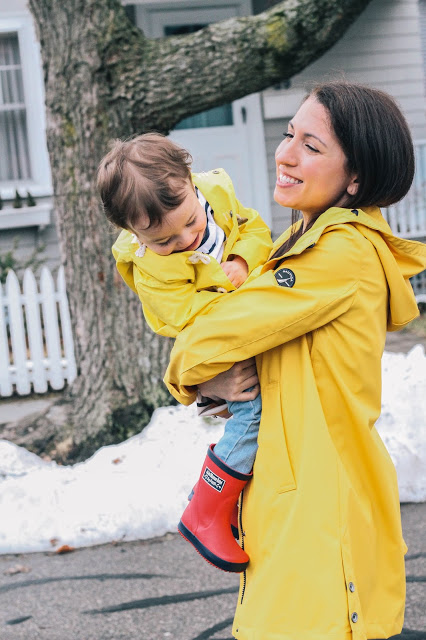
<point>213,480</point>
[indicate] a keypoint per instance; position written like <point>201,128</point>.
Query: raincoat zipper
<point>242,545</point>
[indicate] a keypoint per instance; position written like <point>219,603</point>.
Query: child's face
<point>182,229</point>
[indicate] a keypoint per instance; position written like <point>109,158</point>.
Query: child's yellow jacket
<point>173,290</point>
<point>321,515</point>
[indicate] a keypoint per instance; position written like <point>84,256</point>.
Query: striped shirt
<point>213,241</point>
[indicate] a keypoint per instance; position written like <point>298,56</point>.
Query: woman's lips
<point>287,181</point>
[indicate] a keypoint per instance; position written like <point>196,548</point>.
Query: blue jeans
<point>238,445</point>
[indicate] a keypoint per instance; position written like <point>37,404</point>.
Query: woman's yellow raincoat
<point>173,289</point>
<point>321,517</point>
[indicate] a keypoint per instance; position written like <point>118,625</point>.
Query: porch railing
<point>408,217</point>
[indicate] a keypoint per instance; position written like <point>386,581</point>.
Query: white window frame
<point>148,10</point>
<point>40,183</point>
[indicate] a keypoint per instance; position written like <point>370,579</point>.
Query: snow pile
<point>133,490</point>
<point>138,489</point>
<point>402,424</point>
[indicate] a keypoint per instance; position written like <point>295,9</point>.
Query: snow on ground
<point>402,424</point>
<point>138,489</point>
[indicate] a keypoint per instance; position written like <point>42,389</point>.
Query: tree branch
<point>227,60</point>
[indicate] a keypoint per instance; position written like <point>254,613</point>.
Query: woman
<point>320,519</point>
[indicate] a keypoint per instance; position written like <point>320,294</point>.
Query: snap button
<point>354,617</point>
<point>355,211</point>
<point>215,171</point>
<point>351,587</point>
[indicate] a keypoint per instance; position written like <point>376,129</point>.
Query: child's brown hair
<point>143,177</point>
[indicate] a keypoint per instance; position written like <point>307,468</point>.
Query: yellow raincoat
<point>167,285</point>
<point>321,516</point>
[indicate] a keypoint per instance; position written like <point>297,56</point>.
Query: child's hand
<point>236,270</point>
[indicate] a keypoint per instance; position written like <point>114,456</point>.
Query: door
<point>230,136</point>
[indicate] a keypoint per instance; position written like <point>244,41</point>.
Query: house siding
<point>30,238</point>
<point>422,13</point>
<point>383,49</point>
<point>12,6</point>
<point>281,216</point>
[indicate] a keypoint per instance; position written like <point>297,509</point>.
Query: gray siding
<point>422,11</point>
<point>281,217</point>
<point>383,49</point>
<point>28,239</point>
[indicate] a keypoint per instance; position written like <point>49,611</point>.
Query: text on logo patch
<point>213,480</point>
<point>285,277</point>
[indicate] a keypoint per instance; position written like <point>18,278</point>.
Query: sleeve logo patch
<point>285,278</point>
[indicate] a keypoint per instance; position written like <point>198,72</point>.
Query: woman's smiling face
<point>311,165</point>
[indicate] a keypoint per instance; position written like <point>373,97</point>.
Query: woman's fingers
<point>244,374</point>
<point>232,384</point>
<point>250,382</point>
<point>245,364</point>
<point>244,396</point>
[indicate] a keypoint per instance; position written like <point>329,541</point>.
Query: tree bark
<point>105,79</point>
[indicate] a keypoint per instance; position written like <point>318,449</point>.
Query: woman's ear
<point>352,187</point>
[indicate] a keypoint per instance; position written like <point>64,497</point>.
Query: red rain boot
<point>206,521</point>
<point>234,517</point>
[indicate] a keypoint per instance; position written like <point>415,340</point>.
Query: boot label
<point>213,480</point>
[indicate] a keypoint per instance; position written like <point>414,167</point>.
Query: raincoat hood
<point>401,259</point>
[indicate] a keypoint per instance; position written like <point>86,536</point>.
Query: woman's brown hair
<point>376,141</point>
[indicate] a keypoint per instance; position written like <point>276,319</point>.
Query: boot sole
<point>216,561</point>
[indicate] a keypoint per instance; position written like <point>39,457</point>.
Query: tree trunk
<point>120,362</point>
<point>104,79</point>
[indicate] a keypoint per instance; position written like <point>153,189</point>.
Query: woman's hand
<point>231,385</point>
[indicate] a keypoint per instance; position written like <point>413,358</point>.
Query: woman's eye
<point>287,135</point>
<point>312,148</point>
<point>191,223</point>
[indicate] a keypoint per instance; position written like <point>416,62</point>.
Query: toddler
<point>185,242</point>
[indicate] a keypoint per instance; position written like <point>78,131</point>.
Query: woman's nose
<point>286,153</point>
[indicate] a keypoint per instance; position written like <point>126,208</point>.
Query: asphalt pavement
<point>152,590</point>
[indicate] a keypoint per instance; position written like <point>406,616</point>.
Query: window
<point>15,158</point>
<point>24,162</point>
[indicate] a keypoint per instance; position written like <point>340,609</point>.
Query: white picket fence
<point>36,343</point>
